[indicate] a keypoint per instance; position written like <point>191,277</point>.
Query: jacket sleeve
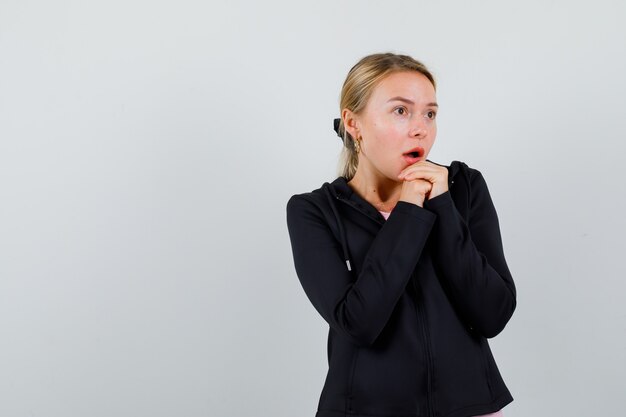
<point>470,259</point>
<point>356,307</point>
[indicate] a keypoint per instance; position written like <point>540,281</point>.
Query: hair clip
<point>336,127</point>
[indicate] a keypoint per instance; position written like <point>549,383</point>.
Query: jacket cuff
<point>415,210</point>
<point>439,201</point>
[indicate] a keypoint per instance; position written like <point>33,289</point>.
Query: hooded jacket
<point>410,301</point>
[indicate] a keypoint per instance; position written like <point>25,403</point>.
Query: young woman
<point>403,258</point>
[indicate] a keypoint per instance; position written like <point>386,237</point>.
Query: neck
<point>378,190</point>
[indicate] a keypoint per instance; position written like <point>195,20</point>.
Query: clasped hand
<point>423,181</point>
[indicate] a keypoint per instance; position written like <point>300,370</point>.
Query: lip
<point>411,159</point>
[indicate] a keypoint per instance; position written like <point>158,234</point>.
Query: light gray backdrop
<point>148,149</point>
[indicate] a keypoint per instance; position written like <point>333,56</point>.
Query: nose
<point>418,130</point>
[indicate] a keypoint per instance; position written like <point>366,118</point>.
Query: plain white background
<point>148,149</point>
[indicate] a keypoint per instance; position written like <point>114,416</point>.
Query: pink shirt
<point>497,413</point>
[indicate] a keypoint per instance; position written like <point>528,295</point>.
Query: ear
<point>351,123</point>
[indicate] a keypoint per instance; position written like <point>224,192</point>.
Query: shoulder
<point>477,190</point>
<point>314,197</point>
<point>316,201</point>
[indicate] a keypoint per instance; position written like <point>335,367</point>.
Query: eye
<point>402,109</point>
<point>431,114</point>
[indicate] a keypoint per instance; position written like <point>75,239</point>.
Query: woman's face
<point>398,118</point>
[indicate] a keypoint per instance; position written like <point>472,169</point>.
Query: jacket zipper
<point>422,322</point>
<point>422,319</point>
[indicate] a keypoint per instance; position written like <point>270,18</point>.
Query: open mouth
<point>417,152</point>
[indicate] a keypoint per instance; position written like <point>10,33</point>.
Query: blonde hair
<point>357,89</point>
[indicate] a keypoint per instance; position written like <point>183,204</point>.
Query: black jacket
<point>410,301</point>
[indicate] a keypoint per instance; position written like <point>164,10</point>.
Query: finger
<point>420,165</point>
<point>413,168</point>
<point>427,170</point>
<point>425,173</point>
<point>417,164</point>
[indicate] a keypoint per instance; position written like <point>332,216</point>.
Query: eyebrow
<point>406,100</point>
